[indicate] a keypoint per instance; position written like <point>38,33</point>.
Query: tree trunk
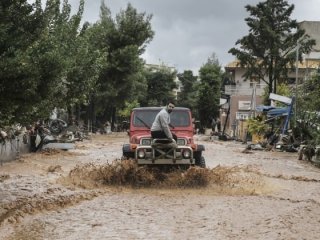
<point>274,85</point>
<point>113,119</point>
<point>91,115</point>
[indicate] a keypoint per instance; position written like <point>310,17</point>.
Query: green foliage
<point>54,56</point>
<point>209,91</point>
<point>123,40</point>
<point>309,94</point>
<point>35,78</point>
<point>270,47</point>
<point>160,81</point>
<point>308,110</point>
<point>188,95</point>
<point>283,90</point>
<point>257,125</point>
<point>126,111</point>
<point>20,27</point>
<point>46,61</point>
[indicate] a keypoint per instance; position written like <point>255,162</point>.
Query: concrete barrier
<point>11,149</point>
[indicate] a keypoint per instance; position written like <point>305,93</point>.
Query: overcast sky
<point>187,32</point>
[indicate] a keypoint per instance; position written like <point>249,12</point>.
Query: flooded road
<point>255,195</point>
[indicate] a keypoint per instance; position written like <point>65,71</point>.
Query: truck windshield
<point>179,118</point>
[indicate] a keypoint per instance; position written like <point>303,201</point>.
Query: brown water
<point>69,195</point>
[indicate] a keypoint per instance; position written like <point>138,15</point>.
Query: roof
<point>157,108</point>
<point>233,64</point>
<point>273,111</point>
<point>278,112</point>
<point>263,108</point>
<point>306,64</point>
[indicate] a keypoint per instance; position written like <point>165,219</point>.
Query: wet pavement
<point>256,195</point>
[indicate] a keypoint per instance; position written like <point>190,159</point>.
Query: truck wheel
<point>199,160</point>
<point>202,162</point>
<point>126,152</point>
<point>127,156</point>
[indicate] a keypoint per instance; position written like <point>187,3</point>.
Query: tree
<point>309,94</point>
<point>37,55</point>
<point>209,90</point>
<point>84,69</point>
<point>187,96</point>
<point>54,55</point>
<point>46,61</point>
<point>160,83</point>
<point>20,27</point>
<point>270,47</point>
<point>124,39</point>
<point>308,108</point>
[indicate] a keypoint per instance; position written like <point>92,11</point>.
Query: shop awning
<point>278,112</point>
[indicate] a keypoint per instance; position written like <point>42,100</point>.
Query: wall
<point>10,149</point>
<point>312,28</point>
<point>243,87</point>
<point>237,125</point>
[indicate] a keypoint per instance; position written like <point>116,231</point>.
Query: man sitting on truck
<point>160,126</point>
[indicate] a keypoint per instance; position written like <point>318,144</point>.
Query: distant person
<point>160,127</point>
<point>213,125</point>
<point>107,127</point>
<point>218,124</point>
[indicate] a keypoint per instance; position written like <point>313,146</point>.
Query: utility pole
<point>296,87</point>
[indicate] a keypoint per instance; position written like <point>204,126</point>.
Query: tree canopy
<point>124,40</point>
<point>160,82</point>
<point>21,25</point>
<point>188,94</point>
<point>209,90</point>
<point>48,60</point>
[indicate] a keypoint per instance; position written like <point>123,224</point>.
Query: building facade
<point>247,92</point>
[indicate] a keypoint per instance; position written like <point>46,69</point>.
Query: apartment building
<point>245,94</point>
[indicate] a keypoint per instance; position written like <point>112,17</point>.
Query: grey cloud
<point>187,32</point>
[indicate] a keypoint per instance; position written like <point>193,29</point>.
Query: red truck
<point>148,151</point>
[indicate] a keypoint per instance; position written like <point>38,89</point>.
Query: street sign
<point>242,115</point>
<point>280,98</point>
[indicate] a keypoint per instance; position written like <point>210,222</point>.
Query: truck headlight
<point>186,153</point>
<point>141,153</point>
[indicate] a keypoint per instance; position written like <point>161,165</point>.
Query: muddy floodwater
<point>80,194</point>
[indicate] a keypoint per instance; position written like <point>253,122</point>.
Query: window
<point>145,118</point>
<point>180,118</point>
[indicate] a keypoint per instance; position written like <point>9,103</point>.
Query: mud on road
<point>78,194</point>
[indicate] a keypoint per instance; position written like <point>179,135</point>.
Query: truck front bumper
<point>180,155</point>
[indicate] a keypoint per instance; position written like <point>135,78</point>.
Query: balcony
<point>244,89</point>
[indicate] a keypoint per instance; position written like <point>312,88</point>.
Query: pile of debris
<point>55,134</point>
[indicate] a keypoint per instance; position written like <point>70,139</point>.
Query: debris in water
<point>4,177</point>
<point>128,173</point>
<point>55,168</point>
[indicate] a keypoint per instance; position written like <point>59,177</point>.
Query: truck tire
<point>126,152</point>
<point>127,156</point>
<point>199,160</point>
<point>202,163</point>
